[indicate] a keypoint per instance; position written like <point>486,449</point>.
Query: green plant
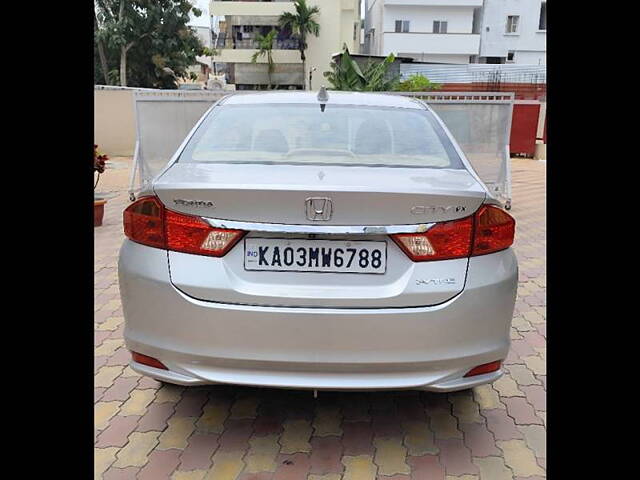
<point>99,164</point>
<point>265,46</point>
<point>417,83</point>
<point>374,77</point>
<point>144,43</point>
<point>301,23</point>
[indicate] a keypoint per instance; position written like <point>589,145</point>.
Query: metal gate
<point>479,121</point>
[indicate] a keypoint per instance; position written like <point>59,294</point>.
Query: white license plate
<point>294,255</point>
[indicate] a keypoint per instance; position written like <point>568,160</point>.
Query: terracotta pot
<point>98,211</point>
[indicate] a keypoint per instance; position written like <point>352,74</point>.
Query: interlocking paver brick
<point>106,376</point>
<point>501,424</point>
<point>295,437</point>
<point>156,417</point>
<point>465,408</point>
<point>118,431</point>
<point>128,473</point>
<point>520,458</point>
<point>189,475</point>
<point>521,411</point>
<point>444,425</point>
<point>327,421</point>
<point>232,432</point>
<point>536,396</point>
<point>326,453</point>
<point>536,364</point>
<point>522,375</point>
<point>102,412</point>
<point>507,387</point>
<point>245,407</point>
<point>177,433</point>
<point>199,451</point>
<point>455,457</point>
<point>390,456</point>
<point>226,466</point>
<point>262,454</point>
<point>357,438</point>
<point>191,403</point>
<point>479,439</point>
<point>493,468</point>
<point>418,438</point>
<point>236,434</point>
<point>292,467</point>
<point>487,397</point>
<point>102,459</point>
<point>360,467</point>
<point>213,416</point>
<point>535,437</point>
<point>138,402</point>
<point>120,389</point>
<point>160,465</point>
<point>426,466</point>
<point>136,452</point>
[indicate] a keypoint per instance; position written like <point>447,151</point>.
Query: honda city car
<point>324,241</point>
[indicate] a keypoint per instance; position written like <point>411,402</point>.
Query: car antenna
<point>323,97</point>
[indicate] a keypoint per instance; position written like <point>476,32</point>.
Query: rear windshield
<point>303,134</point>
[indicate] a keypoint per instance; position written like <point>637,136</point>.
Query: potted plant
<point>99,164</point>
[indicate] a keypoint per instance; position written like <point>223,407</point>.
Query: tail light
<point>148,222</point>
<point>494,230</point>
<point>489,230</point>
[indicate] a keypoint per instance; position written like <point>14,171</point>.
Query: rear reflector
<point>148,361</point>
<point>148,222</point>
<point>484,368</point>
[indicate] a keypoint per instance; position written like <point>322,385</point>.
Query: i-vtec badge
<point>193,203</point>
<point>433,209</point>
<point>436,281</point>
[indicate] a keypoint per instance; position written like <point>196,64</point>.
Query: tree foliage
<point>374,77</point>
<point>301,23</point>
<point>417,83</point>
<point>265,46</point>
<point>144,43</point>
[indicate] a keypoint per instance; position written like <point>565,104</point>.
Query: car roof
<point>335,97</point>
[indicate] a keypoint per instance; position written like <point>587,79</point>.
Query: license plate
<point>295,255</point>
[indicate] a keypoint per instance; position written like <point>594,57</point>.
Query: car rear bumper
<point>428,348</point>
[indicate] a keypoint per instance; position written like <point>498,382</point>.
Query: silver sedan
<point>316,241</point>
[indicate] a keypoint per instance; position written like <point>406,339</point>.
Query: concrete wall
<point>114,122</point>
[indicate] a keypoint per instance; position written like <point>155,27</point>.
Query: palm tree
<point>301,23</point>
<point>265,45</point>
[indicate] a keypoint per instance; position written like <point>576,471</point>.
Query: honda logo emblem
<point>318,208</point>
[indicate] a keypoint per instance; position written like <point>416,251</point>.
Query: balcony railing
<point>253,44</point>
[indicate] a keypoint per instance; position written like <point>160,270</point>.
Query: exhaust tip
<point>148,361</point>
<point>484,368</point>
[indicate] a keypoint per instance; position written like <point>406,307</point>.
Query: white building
<point>514,31</point>
<point>237,23</point>
<point>458,31</point>
<point>438,31</point>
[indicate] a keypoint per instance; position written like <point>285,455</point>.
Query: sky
<point>203,20</point>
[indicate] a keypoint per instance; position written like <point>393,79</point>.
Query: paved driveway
<point>496,432</point>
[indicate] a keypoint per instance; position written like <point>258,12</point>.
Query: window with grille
<point>402,26</point>
<point>543,16</point>
<point>512,23</point>
<point>439,26</point>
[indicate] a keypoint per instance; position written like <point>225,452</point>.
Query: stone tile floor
<point>147,431</point>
